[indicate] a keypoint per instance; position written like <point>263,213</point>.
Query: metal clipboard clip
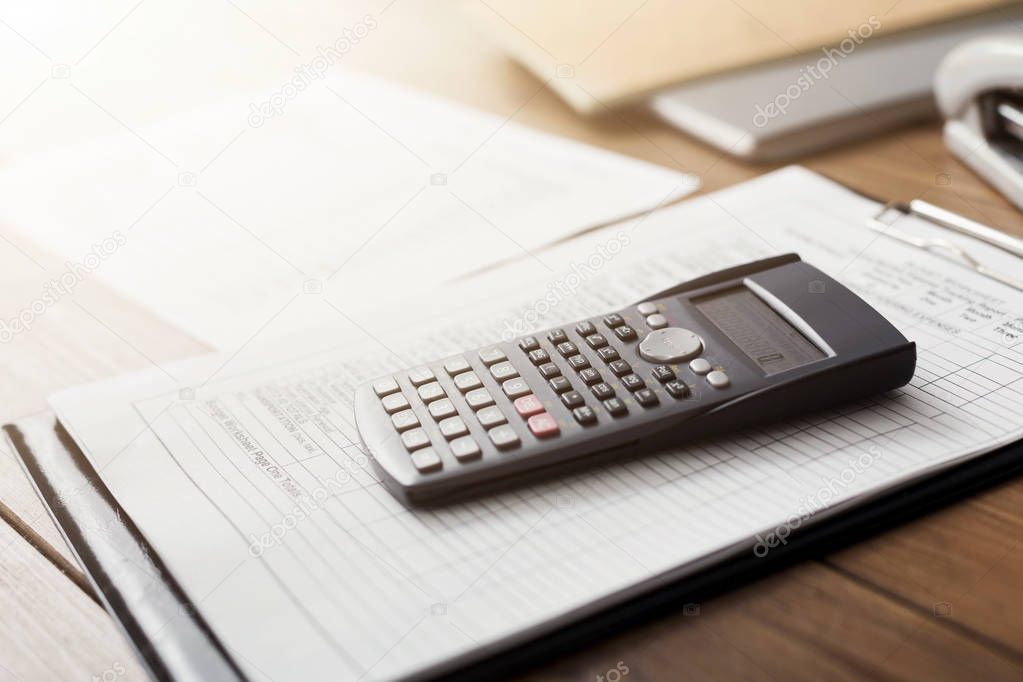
<point>951,221</point>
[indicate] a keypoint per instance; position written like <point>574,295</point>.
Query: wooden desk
<point>938,598</point>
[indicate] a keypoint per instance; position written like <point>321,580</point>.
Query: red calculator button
<point>543,425</point>
<point>528,405</point>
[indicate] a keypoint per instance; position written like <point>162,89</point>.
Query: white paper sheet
<point>218,218</point>
<point>251,487</point>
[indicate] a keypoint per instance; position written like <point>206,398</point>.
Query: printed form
<point>248,480</point>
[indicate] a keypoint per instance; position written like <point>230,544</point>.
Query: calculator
<point>762,341</point>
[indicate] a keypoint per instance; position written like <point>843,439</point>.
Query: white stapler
<point>979,89</point>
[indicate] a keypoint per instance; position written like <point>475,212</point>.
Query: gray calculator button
<point>430,392</point>
<point>503,437</point>
<point>489,356</point>
<point>465,448</point>
<point>420,376</point>
<point>394,403</point>
<point>404,420</point>
<point>718,379</point>
<point>700,366</point>
<point>513,388</point>
<point>647,308</point>
<point>385,387</point>
<point>503,370</point>
<point>657,321</point>
<point>426,460</point>
<point>453,427</point>
<point>466,381</point>
<point>456,366</point>
<point>442,409</point>
<point>491,416</point>
<point>415,439</point>
<point>673,344</point>
<point>479,398</point>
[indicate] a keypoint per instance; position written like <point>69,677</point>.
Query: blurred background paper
<point>233,212</point>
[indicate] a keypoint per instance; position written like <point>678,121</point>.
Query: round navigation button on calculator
<point>669,345</point>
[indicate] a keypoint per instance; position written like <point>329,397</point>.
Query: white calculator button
<point>442,409</point>
<point>430,392</point>
<point>670,345</point>
<point>479,398</point>
<point>503,437</point>
<point>415,439</point>
<point>491,416</point>
<point>718,379</point>
<point>394,403</point>
<point>657,321</point>
<point>456,366</point>
<point>426,460</point>
<point>404,420</point>
<point>385,387</point>
<point>420,376</point>
<point>700,366</point>
<point>465,448</point>
<point>647,308</point>
<point>513,388</point>
<point>503,370</point>
<point>489,356</point>
<point>466,381</point>
<point>453,427</point>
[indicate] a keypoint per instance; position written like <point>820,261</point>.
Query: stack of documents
<point>245,473</point>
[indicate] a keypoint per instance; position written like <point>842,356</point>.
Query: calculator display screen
<point>759,332</point>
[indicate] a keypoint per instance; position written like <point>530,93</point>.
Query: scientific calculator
<point>761,341</point>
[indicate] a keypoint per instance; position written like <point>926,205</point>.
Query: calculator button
<point>677,389</point>
<point>404,420</point>
<point>503,370</point>
<point>646,397</point>
<point>431,391</point>
<point>584,415</point>
<point>718,379</point>
<point>663,373</point>
<point>567,349</point>
<point>420,376</point>
<point>614,320</point>
<point>513,388</point>
<point>585,328</point>
<point>700,366</point>
<point>479,398</point>
<point>557,336</point>
<point>615,407</point>
<point>596,341</point>
<point>543,425</point>
<point>572,399</point>
<point>467,381</point>
<point>456,366</point>
<point>657,321</point>
<point>442,409</point>
<point>385,387</point>
<point>578,362</point>
<point>609,354</point>
<point>393,403</point>
<point>528,405</point>
<point>673,344</point>
<point>560,384</point>
<point>633,382</point>
<point>603,391</point>
<point>549,370</point>
<point>589,376</point>
<point>539,356</point>
<point>453,427</point>
<point>465,448</point>
<point>426,460</point>
<point>491,416</point>
<point>647,308</point>
<point>625,333</point>
<point>415,439</point>
<point>528,343</point>
<point>620,367</point>
<point>489,356</point>
<point>504,437</point>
